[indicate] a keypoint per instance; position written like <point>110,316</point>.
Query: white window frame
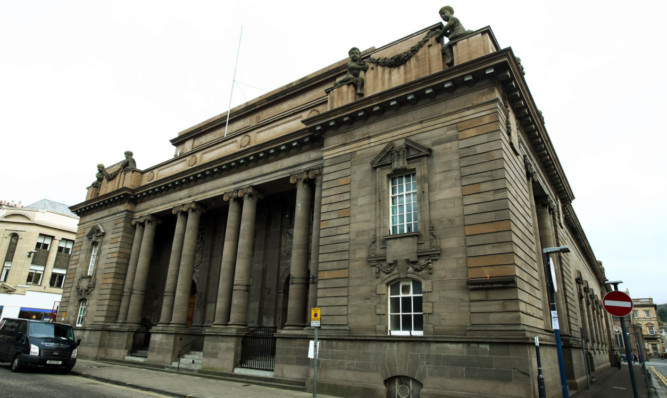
<point>396,312</point>
<point>83,304</point>
<point>403,204</point>
<point>5,271</point>
<point>43,242</point>
<point>35,270</point>
<point>57,271</point>
<point>93,258</point>
<point>65,246</point>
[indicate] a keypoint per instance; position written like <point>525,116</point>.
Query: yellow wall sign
<point>314,314</point>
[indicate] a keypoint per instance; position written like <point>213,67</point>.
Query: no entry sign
<point>617,303</point>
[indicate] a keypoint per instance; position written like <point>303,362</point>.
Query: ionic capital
<point>187,207</point>
<point>305,176</point>
<point>249,192</point>
<point>145,220</point>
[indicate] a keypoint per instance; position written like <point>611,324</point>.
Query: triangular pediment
<point>412,151</point>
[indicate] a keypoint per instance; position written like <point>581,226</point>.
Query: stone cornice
<point>299,141</point>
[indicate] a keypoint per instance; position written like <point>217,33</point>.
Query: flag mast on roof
<point>231,94</point>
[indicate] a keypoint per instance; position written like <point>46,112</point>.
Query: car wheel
<point>16,365</point>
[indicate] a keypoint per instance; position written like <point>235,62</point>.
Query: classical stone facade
<point>413,215</point>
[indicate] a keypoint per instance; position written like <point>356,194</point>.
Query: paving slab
<point>179,384</point>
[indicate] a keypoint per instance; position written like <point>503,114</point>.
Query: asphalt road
<point>658,370</point>
<point>40,383</point>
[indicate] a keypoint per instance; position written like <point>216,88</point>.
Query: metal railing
<point>258,349</point>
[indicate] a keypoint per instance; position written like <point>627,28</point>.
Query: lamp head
<point>559,249</point>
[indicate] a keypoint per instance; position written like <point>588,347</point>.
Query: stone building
<point>35,244</point>
<point>413,215</point>
<point>645,319</point>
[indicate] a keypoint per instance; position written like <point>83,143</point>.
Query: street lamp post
<point>546,252</point>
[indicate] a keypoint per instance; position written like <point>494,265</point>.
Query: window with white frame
<point>43,242</point>
<point>406,316</point>
<point>57,278</point>
<point>65,246</point>
<point>5,271</point>
<point>93,258</point>
<point>82,312</point>
<point>403,202</point>
<point>35,275</point>
<point>650,329</point>
<point>647,313</point>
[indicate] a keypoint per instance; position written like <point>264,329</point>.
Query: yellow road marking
<point>659,375</point>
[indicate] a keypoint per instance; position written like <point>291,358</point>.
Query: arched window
<point>618,335</point>
<point>82,312</point>
<point>9,257</point>
<point>93,258</point>
<point>406,317</point>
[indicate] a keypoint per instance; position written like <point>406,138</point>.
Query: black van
<point>29,343</point>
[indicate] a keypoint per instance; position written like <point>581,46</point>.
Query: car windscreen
<point>51,330</point>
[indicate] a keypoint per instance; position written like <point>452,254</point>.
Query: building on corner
<point>36,242</point>
<point>413,213</point>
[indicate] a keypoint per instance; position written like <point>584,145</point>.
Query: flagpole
<point>231,93</point>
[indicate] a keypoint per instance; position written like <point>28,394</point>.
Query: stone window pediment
<point>398,153</point>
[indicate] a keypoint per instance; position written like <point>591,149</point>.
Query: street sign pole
<point>554,321</point>
<point>540,377</point>
<point>614,308</point>
<point>315,365</point>
<point>315,324</point>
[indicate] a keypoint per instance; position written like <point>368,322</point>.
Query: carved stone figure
<point>129,163</point>
<point>453,30</point>
<point>353,76</point>
<point>126,165</point>
<point>101,175</point>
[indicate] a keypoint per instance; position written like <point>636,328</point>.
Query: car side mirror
<point>78,342</point>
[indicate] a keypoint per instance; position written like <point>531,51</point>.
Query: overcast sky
<point>83,81</point>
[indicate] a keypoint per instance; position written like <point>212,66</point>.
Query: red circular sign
<point>617,303</point>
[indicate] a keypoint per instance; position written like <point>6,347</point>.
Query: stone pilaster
<point>315,243</point>
<point>182,298</point>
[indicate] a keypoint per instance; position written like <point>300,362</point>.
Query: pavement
<point>183,384</point>
<point>609,383</point>
<point>615,383</point>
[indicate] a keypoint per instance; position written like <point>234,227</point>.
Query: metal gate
<point>258,349</point>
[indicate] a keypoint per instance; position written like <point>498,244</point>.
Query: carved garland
<point>400,59</point>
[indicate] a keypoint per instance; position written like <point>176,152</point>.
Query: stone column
<point>182,299</point>
<point>230,245</point>
<point>239,310</point>
<point>296,304</point>
<point>174,262</point>
<point>131,269</point>
<point>141,275</point>
<point>315,243</point>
